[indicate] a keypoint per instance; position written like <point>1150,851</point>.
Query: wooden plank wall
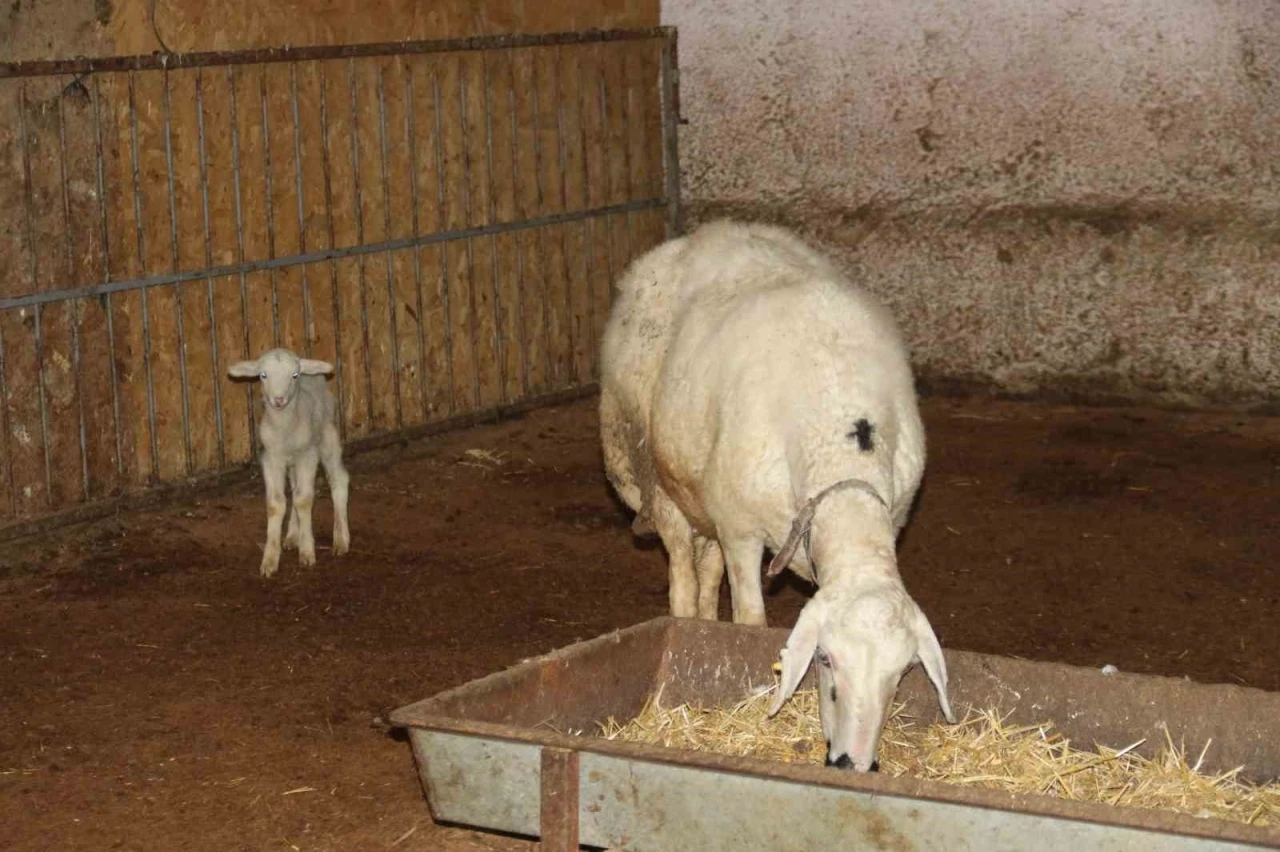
<point>146,173</point>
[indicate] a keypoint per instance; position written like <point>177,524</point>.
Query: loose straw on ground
<point>981,751</point>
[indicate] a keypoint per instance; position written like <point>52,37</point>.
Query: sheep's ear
<point>311,367</point>
<point>929,652</point>
<point>244,370</point>
<point>798,652</point>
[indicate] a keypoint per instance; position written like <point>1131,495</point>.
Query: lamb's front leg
<point>273,476</point>
<point>291,528</point>
<point>304,497</point>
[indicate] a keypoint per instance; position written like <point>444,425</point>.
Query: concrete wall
<point>1071,197</point>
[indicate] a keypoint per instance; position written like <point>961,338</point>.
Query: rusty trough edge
<point>145,497</point>
<point>427,715</point>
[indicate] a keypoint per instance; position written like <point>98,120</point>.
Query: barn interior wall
<point>1076,197</point>
<point>117,176</point>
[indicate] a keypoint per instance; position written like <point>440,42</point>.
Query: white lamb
<point>297,430</point>
<point>753,397</point>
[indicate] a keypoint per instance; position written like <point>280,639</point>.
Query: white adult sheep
<point>297,429</point>
<point>753,397</point>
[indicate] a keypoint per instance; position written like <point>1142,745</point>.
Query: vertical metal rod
<point>74,304</point>
<point>588,251</point>
<point>469,220</point>
<point>608,172</point>
<point>670,132</point>
<point>444,254</point>
<point>333,264</point>
<point>499,344</point>
<point>106,269</point>
<point>412,144</point>
<point>244,285</point>
<point>208,262</point>
<point>270,202</point>
<point>307,330</point>
<point>177,288</point>
<point>29,201</point>
<point>569,319</point>
<point>515,170</point>
<point>4,423</point>
<point>542,232</point>
<point>386,235</point>
<point>142,267</point>
<point>359,202</point>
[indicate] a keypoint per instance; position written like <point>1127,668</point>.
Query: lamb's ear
<point>798,652</point>
<point>929,653</point>
<point>244,370</point>
<point>311,367</point>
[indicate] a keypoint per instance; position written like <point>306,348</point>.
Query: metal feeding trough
<point>491,755</point>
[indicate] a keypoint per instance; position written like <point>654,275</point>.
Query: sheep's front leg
<point>304,498</point>
<point>743,557</point>
<point>677,537</point>
<point>291,528</point>
<point>273,476</point>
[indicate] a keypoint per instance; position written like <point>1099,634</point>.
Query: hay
<point>982,750</point>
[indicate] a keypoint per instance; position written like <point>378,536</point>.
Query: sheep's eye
<point>824,659</point>
<point>262,376</point>
<point>295,374</point>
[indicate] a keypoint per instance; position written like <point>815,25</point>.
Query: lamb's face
<point>278,372</point>
<point>861,644</point>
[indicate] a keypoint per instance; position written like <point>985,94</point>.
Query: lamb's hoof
<point>307,557</point>
<point>269,566</point>
<point>341,545</point>
<point>289,544</point>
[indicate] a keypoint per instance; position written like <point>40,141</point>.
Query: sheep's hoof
<point>307,557</point>
<point>290,542</point>
<point>341,544</point>
<point>269,566</point>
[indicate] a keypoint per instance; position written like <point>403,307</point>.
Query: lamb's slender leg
<point>339,485</point>
<point>304,498</point>
<point>291,528</point>
<point>677,537</point>
<point>710,566</point>
<point>273,476</point>
<point>743,557</point>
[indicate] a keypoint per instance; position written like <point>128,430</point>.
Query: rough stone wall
<point>1071,198</point>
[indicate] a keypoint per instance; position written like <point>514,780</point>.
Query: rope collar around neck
<point>804,521</point>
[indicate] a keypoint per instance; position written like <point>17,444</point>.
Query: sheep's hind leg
<point>710,566</point>
<point>677,537</point>
<point>304,498</point>
<point>339,487</point>
<point>291,528</point>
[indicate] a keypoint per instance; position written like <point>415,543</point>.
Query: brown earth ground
<point>158,694</point>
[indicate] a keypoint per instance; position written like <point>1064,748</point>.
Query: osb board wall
<point>97,400</point>
<point>1074,197</point>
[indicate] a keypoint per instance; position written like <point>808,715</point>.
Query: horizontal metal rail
<point>172,61</point>
<point>327,254</point>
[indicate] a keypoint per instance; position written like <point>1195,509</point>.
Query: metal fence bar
<point>518,205</point>
<point>142,265</point>
<point>588,252</point>
<point>106,270</point>
<point>443,211</point>
<point>542,237</point>
<point>177,289</point>
<point>74,321</point>
<point>359,205</point>
<point>670,131</point>
<point>333,263</point>
<point>558,68</point>
<point>468,217</point>
<point>386,235</point>
<point>499,343</point>
<point>270,202</point>
<point>301,193</point>
<point>214,360</point>
<point>244,283</point>
<point>259,56</point>
<point>411,143</point>
<point>29,204</point>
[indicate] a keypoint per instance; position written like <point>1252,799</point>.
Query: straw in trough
<point>982,750</point>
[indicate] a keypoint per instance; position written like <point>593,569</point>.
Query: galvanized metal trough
<point>491,755</point>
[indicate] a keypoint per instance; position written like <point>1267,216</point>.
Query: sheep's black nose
<point>875,766</point>
<point>841,762</point>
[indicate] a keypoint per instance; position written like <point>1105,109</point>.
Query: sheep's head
<point>863,642</point>
<point>279,371</point>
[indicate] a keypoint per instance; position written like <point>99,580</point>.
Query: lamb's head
<point>863,641</point>
<point>278,370</point>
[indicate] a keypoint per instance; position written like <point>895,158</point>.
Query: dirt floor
<point>158,694</point>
